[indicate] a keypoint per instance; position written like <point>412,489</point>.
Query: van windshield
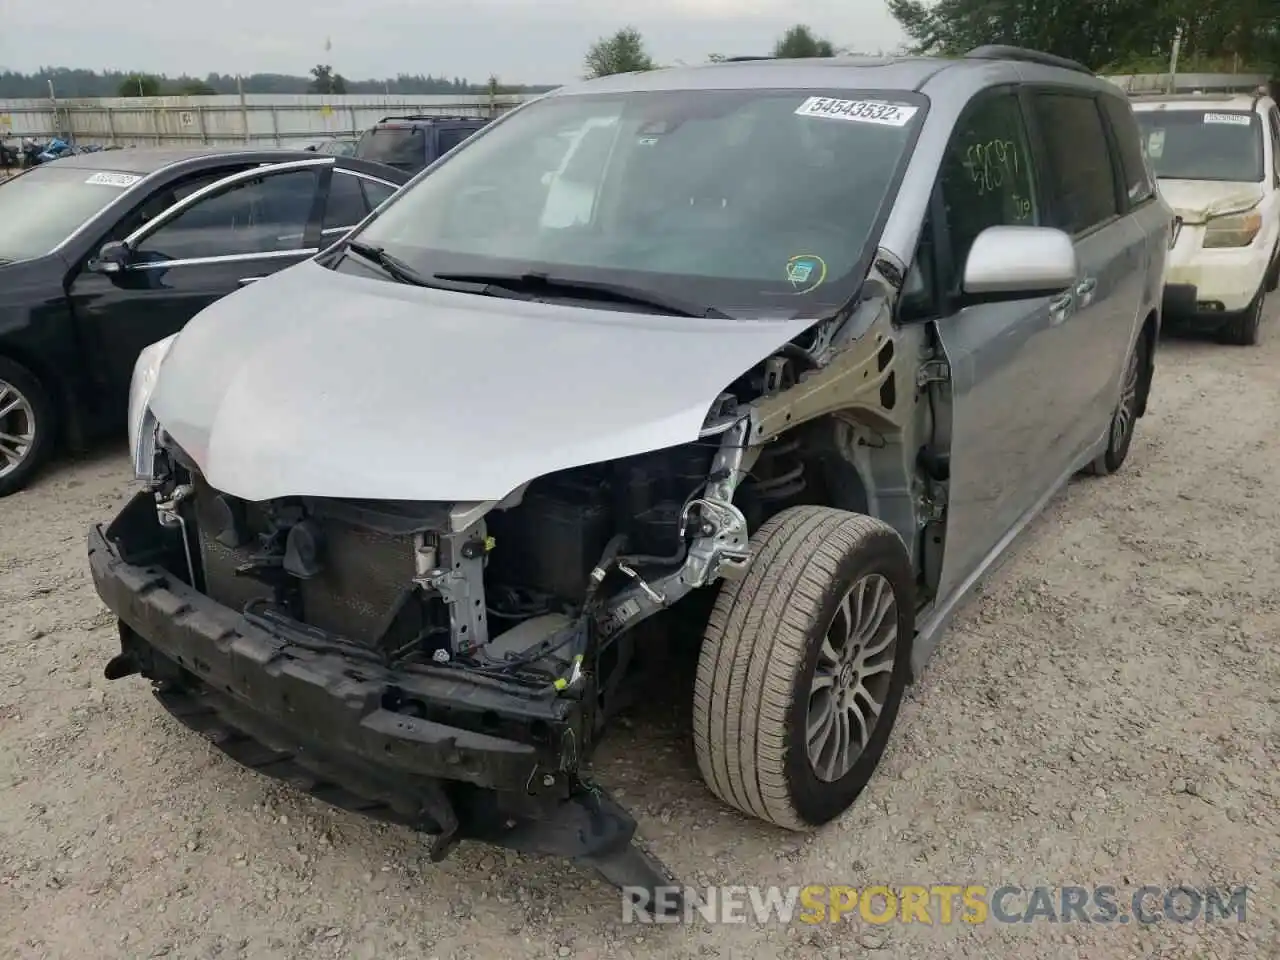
<point>755,198</point>
<point>1224,145</point>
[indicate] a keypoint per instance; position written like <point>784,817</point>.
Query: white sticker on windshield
<point>1239,119</point>
<point>859,111</point>
<point>113,179</point>
<point>1155,144</point>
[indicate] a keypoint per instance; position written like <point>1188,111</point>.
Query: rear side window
<point>376,193</point>
<point>451,137</point>
<point>346,205</point>
<point>403,147</point>
<point>1080,175</point>
<point>1137,179</point>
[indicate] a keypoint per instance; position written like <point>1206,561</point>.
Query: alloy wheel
<point>17,428</point>
<point>852,676</point>
<point>1127,412</point>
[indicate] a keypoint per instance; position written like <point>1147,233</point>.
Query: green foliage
<point>195,88</point>
<point>624,52</point>
<point>140,85</point>
<point>1106,35</point>
<point>324,80</point>
<point>799,42</point>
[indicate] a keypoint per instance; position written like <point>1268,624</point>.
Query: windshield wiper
<point>401,271</point>
<point>390,263</point>
<point>589,290</point>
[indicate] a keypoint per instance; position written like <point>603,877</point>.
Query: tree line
<point>1108,36</point>
<point>71,82</point>
<point>625,51</point>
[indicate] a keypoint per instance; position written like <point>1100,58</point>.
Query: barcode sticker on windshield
<point>113,179</point>
<point>1239,119</point>
<point>859,111</point>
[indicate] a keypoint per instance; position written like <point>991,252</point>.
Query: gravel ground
<point>1104,713</point>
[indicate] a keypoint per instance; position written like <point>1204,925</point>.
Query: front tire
<point>1245,329</point>
<point>27,426</point>
<point>803,666</point>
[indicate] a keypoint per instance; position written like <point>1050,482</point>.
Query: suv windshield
<point>42,207</point>
<point>396,146</point>
<point>1203,144</point>
<point>749,198</point>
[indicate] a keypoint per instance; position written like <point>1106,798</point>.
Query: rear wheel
<point>803,667</point>
<point>26,426</point>
<point>1245,329</point>
<point>1125,417</point>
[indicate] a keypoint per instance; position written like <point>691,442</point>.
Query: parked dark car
<point>413,143</point>
<point>104,253</point>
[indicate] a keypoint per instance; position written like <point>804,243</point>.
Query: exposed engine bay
<point>535,593</point>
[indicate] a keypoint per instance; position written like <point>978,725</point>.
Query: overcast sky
<point>522,41</point>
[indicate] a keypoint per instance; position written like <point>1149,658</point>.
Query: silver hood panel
<point>314,383</point>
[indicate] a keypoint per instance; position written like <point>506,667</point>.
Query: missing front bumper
<point>452,756</point>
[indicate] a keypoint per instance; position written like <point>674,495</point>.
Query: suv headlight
<point>1233,229</point>
<point>142,423</point>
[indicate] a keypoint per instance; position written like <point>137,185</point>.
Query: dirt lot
<point>1106,713</point>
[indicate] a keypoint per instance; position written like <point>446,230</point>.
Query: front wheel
<point>1245,329</point>
<point>803,666</point>
<point>26,426</point>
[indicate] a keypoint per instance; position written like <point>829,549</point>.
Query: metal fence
<point>256,119</point>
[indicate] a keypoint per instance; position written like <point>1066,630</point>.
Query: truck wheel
<point>26,426</point>
<point>803,666</point>
<point>1245,329</point>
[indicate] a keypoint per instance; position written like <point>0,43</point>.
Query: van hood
<point>1198,200</point>
<point>323,384</point>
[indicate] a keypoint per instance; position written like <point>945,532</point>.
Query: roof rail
<point>745,59</point>
<point>996,51</point>
<point>428,116</point>
<point>1192,95</point>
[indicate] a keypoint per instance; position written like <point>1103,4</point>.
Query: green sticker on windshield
<point>806,272</point>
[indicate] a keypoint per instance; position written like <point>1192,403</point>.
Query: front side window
<point>987,178</point>
<point>45,205</point>
<point>1082,179</point>
<point>1220,145</point>
<point>266,215</point>
<point>751,198</point>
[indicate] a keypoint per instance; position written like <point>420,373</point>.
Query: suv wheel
<point>26,426</point>
<point>803,666</point>
<point>1245,330</point>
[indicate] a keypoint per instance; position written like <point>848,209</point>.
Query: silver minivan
<point>776,374</point>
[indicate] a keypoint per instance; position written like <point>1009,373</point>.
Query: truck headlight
<point>142,423</point>
<point>1233,229</point>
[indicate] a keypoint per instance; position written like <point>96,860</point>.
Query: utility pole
<point>1173,60</point>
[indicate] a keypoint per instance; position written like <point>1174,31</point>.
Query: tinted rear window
<point>396,146</point>
<point>453,136</point>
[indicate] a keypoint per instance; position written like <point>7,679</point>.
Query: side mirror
<point>111,259</point>
<point>1017,263</point>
